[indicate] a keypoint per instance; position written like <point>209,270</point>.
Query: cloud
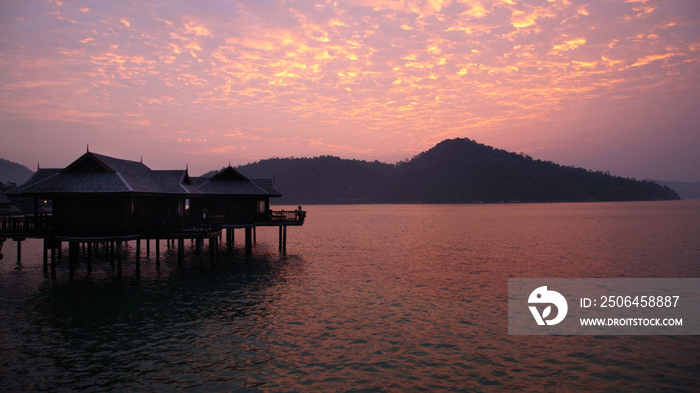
<point>568,45</point>
<point>648,59</point>
<point>197,30</point>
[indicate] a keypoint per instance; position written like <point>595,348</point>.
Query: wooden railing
<point>19,225</point>
<point>42,225</point>
<point>289,215</point>
<point>212,222</point>
<point>178,224</point>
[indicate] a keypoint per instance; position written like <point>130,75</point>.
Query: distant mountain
<point>11,172</point>
<point>454,171</point>
<point>325,179</point>
<point>686,190</point>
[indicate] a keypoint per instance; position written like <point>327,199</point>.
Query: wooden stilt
<point>212,248</point>
<point>111,253</point>
<point>53,262</point>
<point>138,257</point>
<point>148,248</point>
<point>19,251</point>
<point>255,235</point>
<point>119,260</point>
<point>248,240</point>
<point>280,241</point>
<point>200,255</point>
<point>89,258</point>
<point>229,239</point>
<point>180,251</point>
<point>73,255</point>
<point>46,255</point>
<point>284,238</point>
<point>157,253</point>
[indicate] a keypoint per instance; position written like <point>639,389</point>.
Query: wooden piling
<point>119,260</point>
<point>46,254</point>
<point>157,253</point>
<point>19,251</point>
<point>89,258</point>
<point>138,257</point>
<point>280,240</point>
<point>73,256</point>
<point>213,246</point>
<point>111,253</point>
<point>248,240</point>
<point>53,262</point>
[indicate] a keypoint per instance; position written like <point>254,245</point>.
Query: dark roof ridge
<point>89,156</point>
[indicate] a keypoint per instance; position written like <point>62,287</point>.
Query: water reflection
<point>397,298</point>
<point>184,329</point>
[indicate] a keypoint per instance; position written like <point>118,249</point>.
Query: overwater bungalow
<point>98,198</point>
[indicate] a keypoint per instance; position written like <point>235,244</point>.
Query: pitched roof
<point>96,173</point>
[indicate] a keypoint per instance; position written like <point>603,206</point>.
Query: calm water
<point>367,298</point>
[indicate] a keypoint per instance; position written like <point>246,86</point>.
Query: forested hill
<point>454,171</point>
<point>11,172</point>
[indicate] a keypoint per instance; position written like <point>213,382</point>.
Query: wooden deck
<point>27,226</point>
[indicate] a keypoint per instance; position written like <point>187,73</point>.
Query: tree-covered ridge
<point>461,170</point>
<point>12,172</point>
<point>454,171</point>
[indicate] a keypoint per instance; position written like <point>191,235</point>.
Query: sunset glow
<point>607,85</point>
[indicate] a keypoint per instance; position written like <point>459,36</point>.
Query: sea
<point>366,298</point>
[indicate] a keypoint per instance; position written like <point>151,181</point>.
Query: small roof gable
<point>38,176</point>
<point>232,187</point>
<point>268,185</point>
<point>229,174</point>
<point>229,182</point>
<point>88,163</point>
<point>174,182</point>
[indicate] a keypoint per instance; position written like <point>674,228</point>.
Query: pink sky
<point>605,85</point>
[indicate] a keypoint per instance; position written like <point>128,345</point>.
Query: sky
<point>608,85</point>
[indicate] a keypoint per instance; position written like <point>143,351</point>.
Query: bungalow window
<point>261,207</point>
